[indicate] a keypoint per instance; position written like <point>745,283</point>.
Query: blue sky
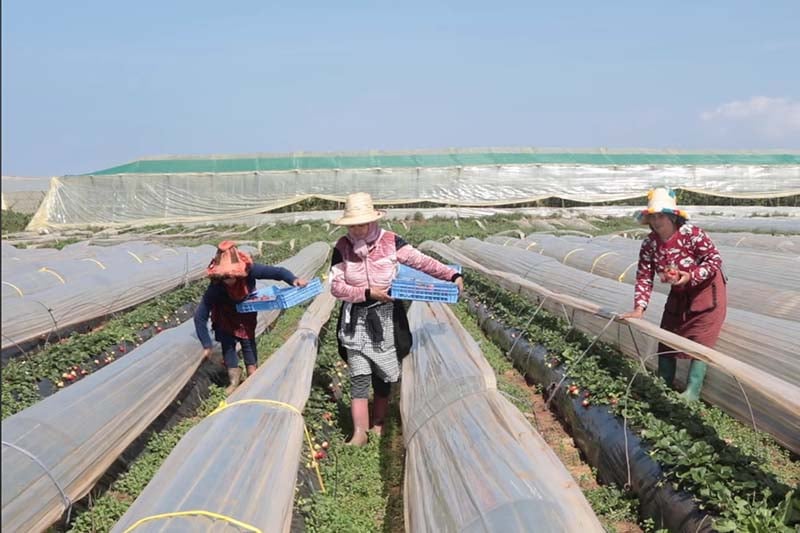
<point>91,84</point>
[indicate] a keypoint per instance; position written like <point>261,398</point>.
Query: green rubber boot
<point>666,369</point>
<point>697,373</point>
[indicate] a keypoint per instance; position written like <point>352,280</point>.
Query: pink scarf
<point>361,246</point>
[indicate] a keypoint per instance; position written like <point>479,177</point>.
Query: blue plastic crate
<point>406,272</point>
<point>273,297</point>
<point>411,284</point>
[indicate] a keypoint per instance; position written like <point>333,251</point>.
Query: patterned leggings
<point>359,386</point>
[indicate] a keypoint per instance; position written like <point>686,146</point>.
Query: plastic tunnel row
<point>777,270</point>
<point>759,351</point>
<point>26,272</point>
<point>49,296</point>
<point>473,463</point>
<point>769,243</point>
<point>54,451</point>
<point>240,463</point>
<point>619,263</point>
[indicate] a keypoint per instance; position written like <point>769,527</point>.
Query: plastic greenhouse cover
<point>776,270</point>
<point>14,257</point>
<point>77,433</point>
<point>240,462</point>
<point>180,190</point>
<point>769,243</point>
<point>759,351</point>
<point>620,265</point>
<point>473,463</point>
<point>564,213</point>
<point>96,293</point>
<point>25,276</point>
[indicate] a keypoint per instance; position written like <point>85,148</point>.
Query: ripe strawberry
<point>586,402</point>
<point>122,348</point>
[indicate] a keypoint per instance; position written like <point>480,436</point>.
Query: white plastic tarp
<point>764,343</point>
<point>180,190</point>
<point>620,264</point>
<point>77,433</point>
<point>67,301</point>
<point>473,463</point>
<point>240,462</point>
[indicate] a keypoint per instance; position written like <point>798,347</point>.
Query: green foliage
<point>612,504</point>
<point>12,221</point>
<point>21,375</point>
<point>725,465</point>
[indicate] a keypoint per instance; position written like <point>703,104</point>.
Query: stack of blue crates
<point>273,297</point>
<point>411,284</point>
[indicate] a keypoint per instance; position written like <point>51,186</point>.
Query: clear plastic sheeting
<point>564,214</point>
<point>785,244</point>
<point>24,274</point>
<point>54,451</point>
<point>776,270</point>
<point>473,463</point>
<point>241,462</point>
<point>767,345</point>
<point>186,189</point>
<point>620,265</point>
<point>69,298</point>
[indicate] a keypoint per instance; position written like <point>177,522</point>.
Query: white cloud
<point>772,119</point>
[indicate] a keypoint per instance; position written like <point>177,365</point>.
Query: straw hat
<point>661,200</point>
<point>230,262</point>
<point>358,209</point>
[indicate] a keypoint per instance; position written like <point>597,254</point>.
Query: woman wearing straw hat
<point>372,330</point>
<point>233,276</point>
<point>683,256</point>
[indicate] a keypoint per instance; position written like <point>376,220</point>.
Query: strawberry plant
<point>724,476</point>
<point>28,379</point>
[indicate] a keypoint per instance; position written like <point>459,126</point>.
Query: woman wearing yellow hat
<point>683,256</point>
<point>373,330</point>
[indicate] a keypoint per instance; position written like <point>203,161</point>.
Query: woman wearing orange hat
<point>373,330</point>
<point>683,256</point>
<point>233,276</point>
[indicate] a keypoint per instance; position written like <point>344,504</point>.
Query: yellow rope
<point>45,269</point>
<point>739,242</point>
<point>529,246</point>
<point>14,287</point>
<point>569,254</point>
<point>134,256</point>
<point>622,276</point>
<point>209,514</point>
<point>599,257</point>
<point>101,265</point>
<point>224,405</point>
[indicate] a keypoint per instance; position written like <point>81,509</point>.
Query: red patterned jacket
<point>689,249</point>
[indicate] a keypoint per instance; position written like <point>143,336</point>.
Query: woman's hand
<point>206,353</point>
<point>460,284</point>
<point>682,279</point>
<point>636,313</point>
<point>300,282</point>
<point>380,294</point>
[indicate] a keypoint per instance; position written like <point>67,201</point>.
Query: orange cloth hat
<point>230,262</point>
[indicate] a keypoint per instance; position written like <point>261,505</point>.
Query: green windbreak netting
<point>256,163</point>
<point>183,190</point>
